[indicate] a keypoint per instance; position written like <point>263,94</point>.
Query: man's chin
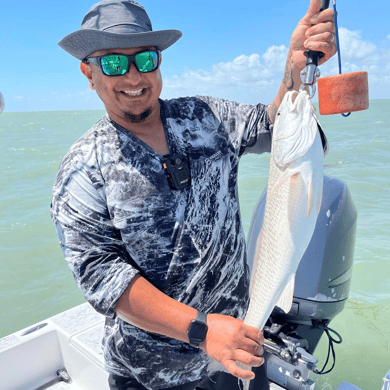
<point>138,118</point>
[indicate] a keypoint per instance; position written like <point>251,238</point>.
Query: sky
<point>230,49</point>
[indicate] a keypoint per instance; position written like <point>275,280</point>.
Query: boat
<point>61,352</point>
<point>64,351</point>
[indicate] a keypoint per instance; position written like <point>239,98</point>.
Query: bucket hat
<point>112,24</point>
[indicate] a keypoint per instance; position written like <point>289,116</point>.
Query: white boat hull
<point>70,340</point>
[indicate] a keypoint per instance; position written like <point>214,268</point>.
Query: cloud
<point>354,48</point>
<point>242,70</point>
<point>388,37</point>
<point>245,75</point>
<point>358,54</point>
<point>257,77</point>
<point>275,58</point>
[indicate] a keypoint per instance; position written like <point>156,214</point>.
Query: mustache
<point>132,87</point>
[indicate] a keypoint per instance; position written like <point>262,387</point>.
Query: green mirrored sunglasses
<point>113,64</point>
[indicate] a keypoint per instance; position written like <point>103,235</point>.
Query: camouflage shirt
<point>117,216</point>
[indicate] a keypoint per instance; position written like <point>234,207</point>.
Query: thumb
<point>314,8</point>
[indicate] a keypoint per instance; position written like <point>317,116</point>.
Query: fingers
<point>237,371</point>
<point>321,35</point>
<point>314,7</point>
<point>325,43</point>
<point>253,347</point>
<point>323,16</point>
<point>254,334</point>
<point>327,38</point>
<point>229,340</point>
<point>240,367</point>
<point>247,358</point>
<point>327,27</point>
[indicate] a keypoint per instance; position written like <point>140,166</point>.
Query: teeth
<point>134,93</point>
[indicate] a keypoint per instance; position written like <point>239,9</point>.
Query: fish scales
<point>276,213</point>
<point>294,195</point>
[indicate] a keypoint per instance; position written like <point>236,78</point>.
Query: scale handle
<point>314,56</point>
<point>324,4</point>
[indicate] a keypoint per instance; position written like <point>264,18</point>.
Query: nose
<point>134,76</point>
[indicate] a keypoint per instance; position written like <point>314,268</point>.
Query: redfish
<point>294,195</point>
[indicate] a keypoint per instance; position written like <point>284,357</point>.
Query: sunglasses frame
<point>131,58</point>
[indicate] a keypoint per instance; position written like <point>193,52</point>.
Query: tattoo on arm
<point>288,80</point>
<point>273,109</point>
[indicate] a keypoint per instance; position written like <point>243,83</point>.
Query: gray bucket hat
<point>112,24</point>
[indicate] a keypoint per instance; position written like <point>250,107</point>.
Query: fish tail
<point>245,382</point>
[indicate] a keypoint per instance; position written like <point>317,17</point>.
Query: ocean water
<point>36,283</point>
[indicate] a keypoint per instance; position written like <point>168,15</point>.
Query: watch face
<point>198,331</point>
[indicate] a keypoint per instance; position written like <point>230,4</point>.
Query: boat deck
<point>31,358</point>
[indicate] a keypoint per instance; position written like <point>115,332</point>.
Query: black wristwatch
<point>198,330</point>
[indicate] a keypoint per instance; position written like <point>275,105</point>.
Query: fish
<point>293,202</point>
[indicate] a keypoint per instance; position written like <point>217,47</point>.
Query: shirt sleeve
<point>258,135</point>
<point>248,125</point>
<point>96,255</point>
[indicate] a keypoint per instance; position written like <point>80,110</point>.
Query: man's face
<point>112,90</point>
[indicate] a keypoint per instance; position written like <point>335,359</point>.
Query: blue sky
<point>230,49</point>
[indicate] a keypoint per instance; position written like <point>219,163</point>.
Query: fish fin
<point>335,165</point>
<point>286,297</point>
<point>286,175</point>
<point>319,202</point>
<point>310,198</point>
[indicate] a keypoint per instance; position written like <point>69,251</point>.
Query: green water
<point>35,282</point>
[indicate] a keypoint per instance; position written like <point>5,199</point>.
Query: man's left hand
<point>316,31</point>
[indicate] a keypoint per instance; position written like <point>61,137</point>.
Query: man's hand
<point>315,31</point>
<point>229,340</point>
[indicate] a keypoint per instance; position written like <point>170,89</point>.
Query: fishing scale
<point>340,94</point>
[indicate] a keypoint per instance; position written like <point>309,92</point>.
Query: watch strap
<point>200,318</point>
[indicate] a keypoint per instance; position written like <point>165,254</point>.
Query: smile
<point>134,93</point>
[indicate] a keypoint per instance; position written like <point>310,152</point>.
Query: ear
<point>87,72</point>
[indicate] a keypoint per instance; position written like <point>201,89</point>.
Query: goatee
<point>138,118</point>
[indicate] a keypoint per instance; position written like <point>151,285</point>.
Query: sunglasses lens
<point>147,61</point>
<point>114,65</point>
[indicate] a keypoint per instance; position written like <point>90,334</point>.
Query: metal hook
<point>309,76</point>
<point>311,89</point>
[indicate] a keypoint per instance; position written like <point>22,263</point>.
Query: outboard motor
<point>322,286</point>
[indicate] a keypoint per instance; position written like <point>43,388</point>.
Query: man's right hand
<point>229,340</point>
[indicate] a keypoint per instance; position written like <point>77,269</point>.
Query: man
<point>146,207</point>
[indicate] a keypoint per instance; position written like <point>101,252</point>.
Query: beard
<point>138,118</point>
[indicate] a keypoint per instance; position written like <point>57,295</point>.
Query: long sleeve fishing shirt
<point>116,215</point>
